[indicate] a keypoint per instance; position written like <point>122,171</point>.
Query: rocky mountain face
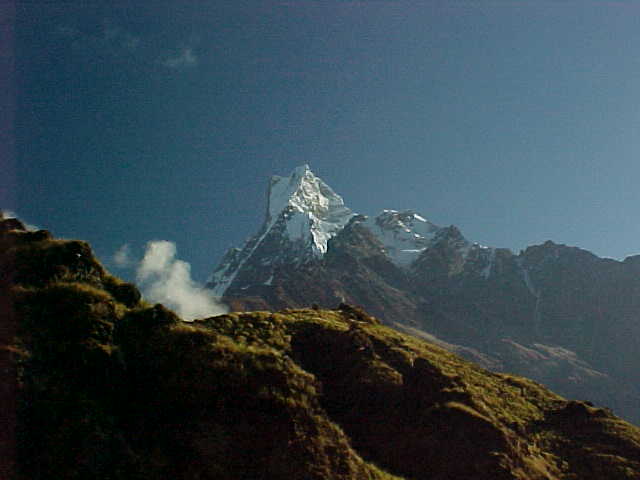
<point>96,383</point>
<point>557,314</point>
<point>303,213</point>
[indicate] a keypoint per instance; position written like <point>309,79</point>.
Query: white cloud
<point>185,58</point>
<point>105,43</point>
<point>116,36</point>
<point>66,31</point>
<point>112,41</point>
<point>167,280</point>
<point>122,258</point>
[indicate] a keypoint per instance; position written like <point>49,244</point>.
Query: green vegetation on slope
<point>105,386</point>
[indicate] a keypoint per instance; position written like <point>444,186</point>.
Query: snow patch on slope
<point>527,278</point>
<point>486,271</point>
<point>226,273</point>
<point>404,234</point>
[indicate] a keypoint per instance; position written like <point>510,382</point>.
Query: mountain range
<point>95,382</point>
<point>555,313</point>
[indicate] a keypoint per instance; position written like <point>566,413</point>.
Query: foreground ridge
<point>107,386</point>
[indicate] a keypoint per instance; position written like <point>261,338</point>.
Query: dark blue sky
<point>516,121</point>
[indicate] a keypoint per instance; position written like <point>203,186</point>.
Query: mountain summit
<point>311,210</point>
<point>303,215</point>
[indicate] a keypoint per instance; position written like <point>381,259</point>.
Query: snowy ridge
<point>304,213</point>
<point>404,234</point>
<point>227,272</point>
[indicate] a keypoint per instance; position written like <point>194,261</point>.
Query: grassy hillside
<point>101,385</point>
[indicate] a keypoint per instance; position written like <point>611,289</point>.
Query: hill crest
<point>107,386</point>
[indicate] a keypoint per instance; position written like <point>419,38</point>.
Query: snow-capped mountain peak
<point>309,206</point>
<point>303,213</point>
<point>404,234</point>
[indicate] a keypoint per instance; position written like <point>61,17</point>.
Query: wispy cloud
<point>66,31</point>
<point>122,258</point>
<point>116,35</point>
<point>167,280</point>
<point>108,40</point>
<point>111,41</point>
<point>185,58</point>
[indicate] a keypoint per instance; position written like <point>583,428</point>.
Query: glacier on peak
<point>309,206</point>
